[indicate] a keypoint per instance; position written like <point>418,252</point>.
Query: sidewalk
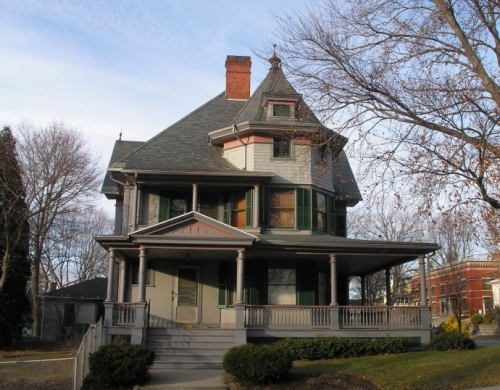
<point>185,379</point>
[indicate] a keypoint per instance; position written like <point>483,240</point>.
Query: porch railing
<point>294,316</point>
<point>124,314</point>
<point>394,317</point>
<point>348,317</point>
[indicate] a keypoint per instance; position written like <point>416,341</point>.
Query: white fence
<point>390,317</point>
<point>295,316</point>
<point>91,342</point>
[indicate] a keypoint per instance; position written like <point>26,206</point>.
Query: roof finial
<point>119,139</point>
<point>274,60</point>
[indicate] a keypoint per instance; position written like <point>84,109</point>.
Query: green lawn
<point>418,370</point>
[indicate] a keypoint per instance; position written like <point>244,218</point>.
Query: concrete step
<point>192,348</point>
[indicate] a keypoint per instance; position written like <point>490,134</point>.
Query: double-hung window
<point>282,208</point>
<point>282,148</point>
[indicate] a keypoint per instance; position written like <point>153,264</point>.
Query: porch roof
<point>354,257</point>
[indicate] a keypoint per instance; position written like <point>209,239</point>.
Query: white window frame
<point>270,111</point>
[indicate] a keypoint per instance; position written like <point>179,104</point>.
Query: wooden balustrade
<point>350,317</point>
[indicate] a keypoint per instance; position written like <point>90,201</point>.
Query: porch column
<point>121,281</point>
<point>142,274</point>
<point>388,297</point>
<point>111,273</point>
<point>421,263</point>
<point>240,276</point>
<point>333,279</point>
<point>195,197</point>
<point>256,206</point>
<point>363,290</point>
<point>239,307</point>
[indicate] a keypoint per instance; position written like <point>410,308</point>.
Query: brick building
<point>460,288</point>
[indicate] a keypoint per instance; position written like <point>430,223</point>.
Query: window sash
<point>282,148</point>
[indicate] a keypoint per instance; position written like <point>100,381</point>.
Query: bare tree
<point>61,177</point>
<point>387,218</point>
<point>415,82</point>
<point>72,255</point>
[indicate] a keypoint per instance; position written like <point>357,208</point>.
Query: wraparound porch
<point>131,319</point>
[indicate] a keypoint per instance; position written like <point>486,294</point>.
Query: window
<point>488,303</point>
<point>239,210</point>
<point>443,291</point>
<point>464,285</point>
<point>433,291</point>
<point>465,306</point>
<point>69,315</point>
<point>149,273</point>
<point>320,154</point>
<point>281,286</point>
<point>341,225</point>
<point>173,204</point>
<point>227,285</point>
<point>282,208</point>
<point>486,284</point>
<point>319,211</point>
<point>282,148</point>
<point>281,111</point>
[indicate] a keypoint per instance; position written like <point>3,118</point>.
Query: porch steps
<point>192,348</point>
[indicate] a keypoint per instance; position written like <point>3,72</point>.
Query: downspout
<point>134,211</point>
<point>244,144</point>
<point>117,182</point>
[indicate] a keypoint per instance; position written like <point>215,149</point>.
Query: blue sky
<point>136,66</point>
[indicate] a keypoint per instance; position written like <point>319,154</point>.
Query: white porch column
<point>111,273</point>
<point>239,307</point>
<point>388,297</point>
<point>240,276</point>
<point>142,274</point>
<point>421,263</point>
<point>121,281</point>
<point>363,290</point>
<point>256,206</point>
<point>333,280</point>
<point>195,197</point>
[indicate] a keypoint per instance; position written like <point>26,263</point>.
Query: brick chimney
<point>238,77</point>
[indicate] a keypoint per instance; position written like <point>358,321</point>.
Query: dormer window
<point>281,111</point>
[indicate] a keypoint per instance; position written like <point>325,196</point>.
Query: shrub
<point>451,341</point>
<point>476,319</point>
<point>450,324</point>
<point>259,364</point>
<point>120,364</point>
<point>338,347</point>
<point>489,317</point>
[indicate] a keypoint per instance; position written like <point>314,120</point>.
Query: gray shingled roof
<point>121,150</point>
<point>274,85</point>
<point>88,289</point>
<point>183,146</point>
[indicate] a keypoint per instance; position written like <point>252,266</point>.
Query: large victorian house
<point>231,223</point>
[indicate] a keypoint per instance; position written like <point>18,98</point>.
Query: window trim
<point>274,149</point>
<point>134,273</point>
<point>271,106</point>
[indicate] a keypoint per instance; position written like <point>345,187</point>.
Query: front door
<point>186,295</point>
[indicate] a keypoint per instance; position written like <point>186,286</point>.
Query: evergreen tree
<point>15,268</point>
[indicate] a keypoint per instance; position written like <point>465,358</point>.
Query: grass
<point>52,375</point>
<point>415,370</point>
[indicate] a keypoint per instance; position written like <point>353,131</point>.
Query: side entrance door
<point>186,294</point>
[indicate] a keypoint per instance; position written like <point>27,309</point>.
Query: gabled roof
<point>192,227</point>
<point>88,289</point>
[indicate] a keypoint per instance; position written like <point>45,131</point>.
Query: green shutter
<point>314,211</point>
<point>164,207</point>
<point>225,216</point>
<point>307,283</point>
<point>303,207</point>
<point>263,205</point>
<point>332,222</point>
<point>249,207</point>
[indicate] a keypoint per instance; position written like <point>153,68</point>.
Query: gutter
<point>244,144</point>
